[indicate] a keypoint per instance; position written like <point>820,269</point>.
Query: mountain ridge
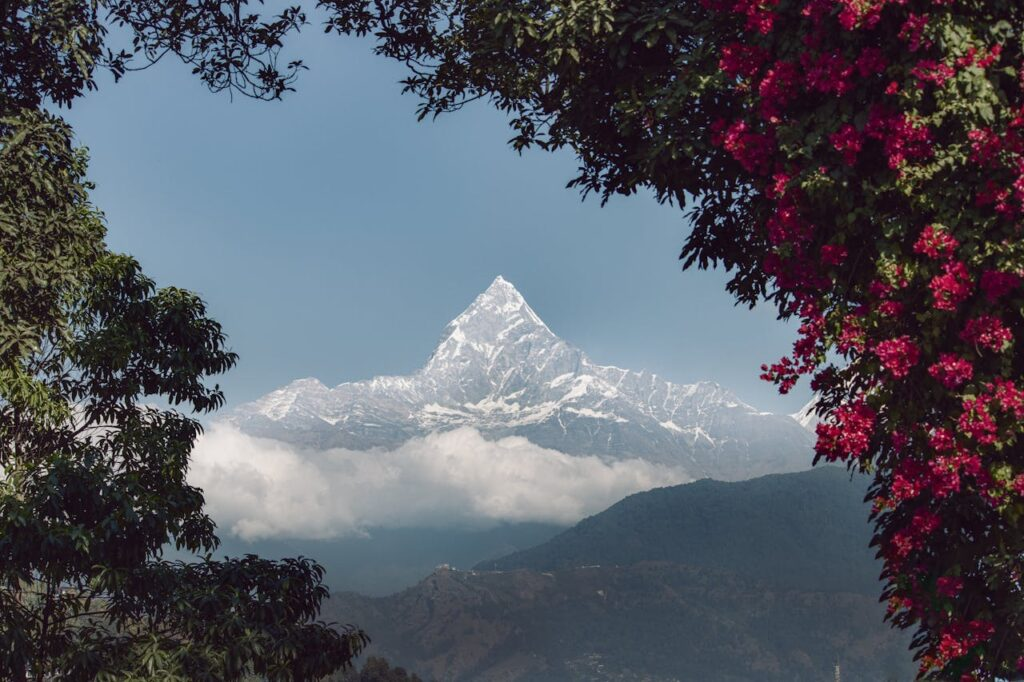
<point>810,526</point>
<point>676,583</point>
<point>500,369</point>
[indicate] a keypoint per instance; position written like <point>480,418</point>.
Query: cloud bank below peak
<point>258,488</point>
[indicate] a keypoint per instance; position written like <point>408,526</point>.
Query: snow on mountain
<point>807,417</point>
<point>499,369</point>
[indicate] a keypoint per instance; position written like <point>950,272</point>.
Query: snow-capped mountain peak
<point>807,416</point>
<point>501,370</point>
<point>497,319</point>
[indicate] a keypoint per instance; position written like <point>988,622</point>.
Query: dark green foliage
<point>95,486</point>
<point>49,233</point>
<point>805,531</point>
<point>93,480</point>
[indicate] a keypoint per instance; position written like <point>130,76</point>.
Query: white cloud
<point>259,488</point>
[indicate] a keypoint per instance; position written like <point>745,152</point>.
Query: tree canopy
<point>93,474</point>
<point>95,486</point>
<point>859,164</point>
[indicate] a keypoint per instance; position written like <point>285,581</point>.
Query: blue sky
<point>334,236</point>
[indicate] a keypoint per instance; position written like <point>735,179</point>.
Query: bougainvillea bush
<point>885,144</point>
<point>860,165</point>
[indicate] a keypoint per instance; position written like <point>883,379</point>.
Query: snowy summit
<point>498,368</point>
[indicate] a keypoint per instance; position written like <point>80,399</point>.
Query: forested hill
<point>806,531</point>
<point>764,580</point>
<point>649,622</point>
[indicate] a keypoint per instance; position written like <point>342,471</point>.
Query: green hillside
<point>806,531</point>
<point>767,580</point>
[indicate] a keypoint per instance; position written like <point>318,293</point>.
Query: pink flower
<point>848,142</point>
<point>879,289</point>
<point>777,187</point>
<point>949,586</point>
<point>912,31</point>
<point>913,537</point>
<point>784,373</point>
<point>980,58</point>
<point>941,440</point>
<point>759,13</point>
<point>991,58</point>
<point>786,225</point>
<point>908,480</point>
<point>977,421</point>
<point>849,433</point>
<point>952,287</point>
<point>951,370</point>
<point>827,72</point>
<point>890,308</point>
<point>851,336</point>
<point>870,62</point>
<point>778,88</point>
<point>897,355</point>
<point>741,60</point>
<point>958,638</point>
<point>904,137</point>
<point>931,71</point>
<point>898,604</point>
<point>997,284</point>
<point>998,197</point>
<point>944,477</point>
<point>987,331</point>
<point>985,145</point>
<point>752,150</point>
<point>936,243</point>
<point>860,13</point>
<point>1009,397</point>
<point>833,254</point>
<point>968,58</point>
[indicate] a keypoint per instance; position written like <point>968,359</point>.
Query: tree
<point>859,164</point>
<point>94,487</point>
<point>50,51</point>
<point>92,479</point>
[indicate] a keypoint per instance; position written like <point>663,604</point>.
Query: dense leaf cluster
<point>102,374</point>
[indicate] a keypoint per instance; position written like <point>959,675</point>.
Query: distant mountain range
<point>765,580</point>
<point>501,370</point>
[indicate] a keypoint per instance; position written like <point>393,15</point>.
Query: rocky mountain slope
<point>501,370</point>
